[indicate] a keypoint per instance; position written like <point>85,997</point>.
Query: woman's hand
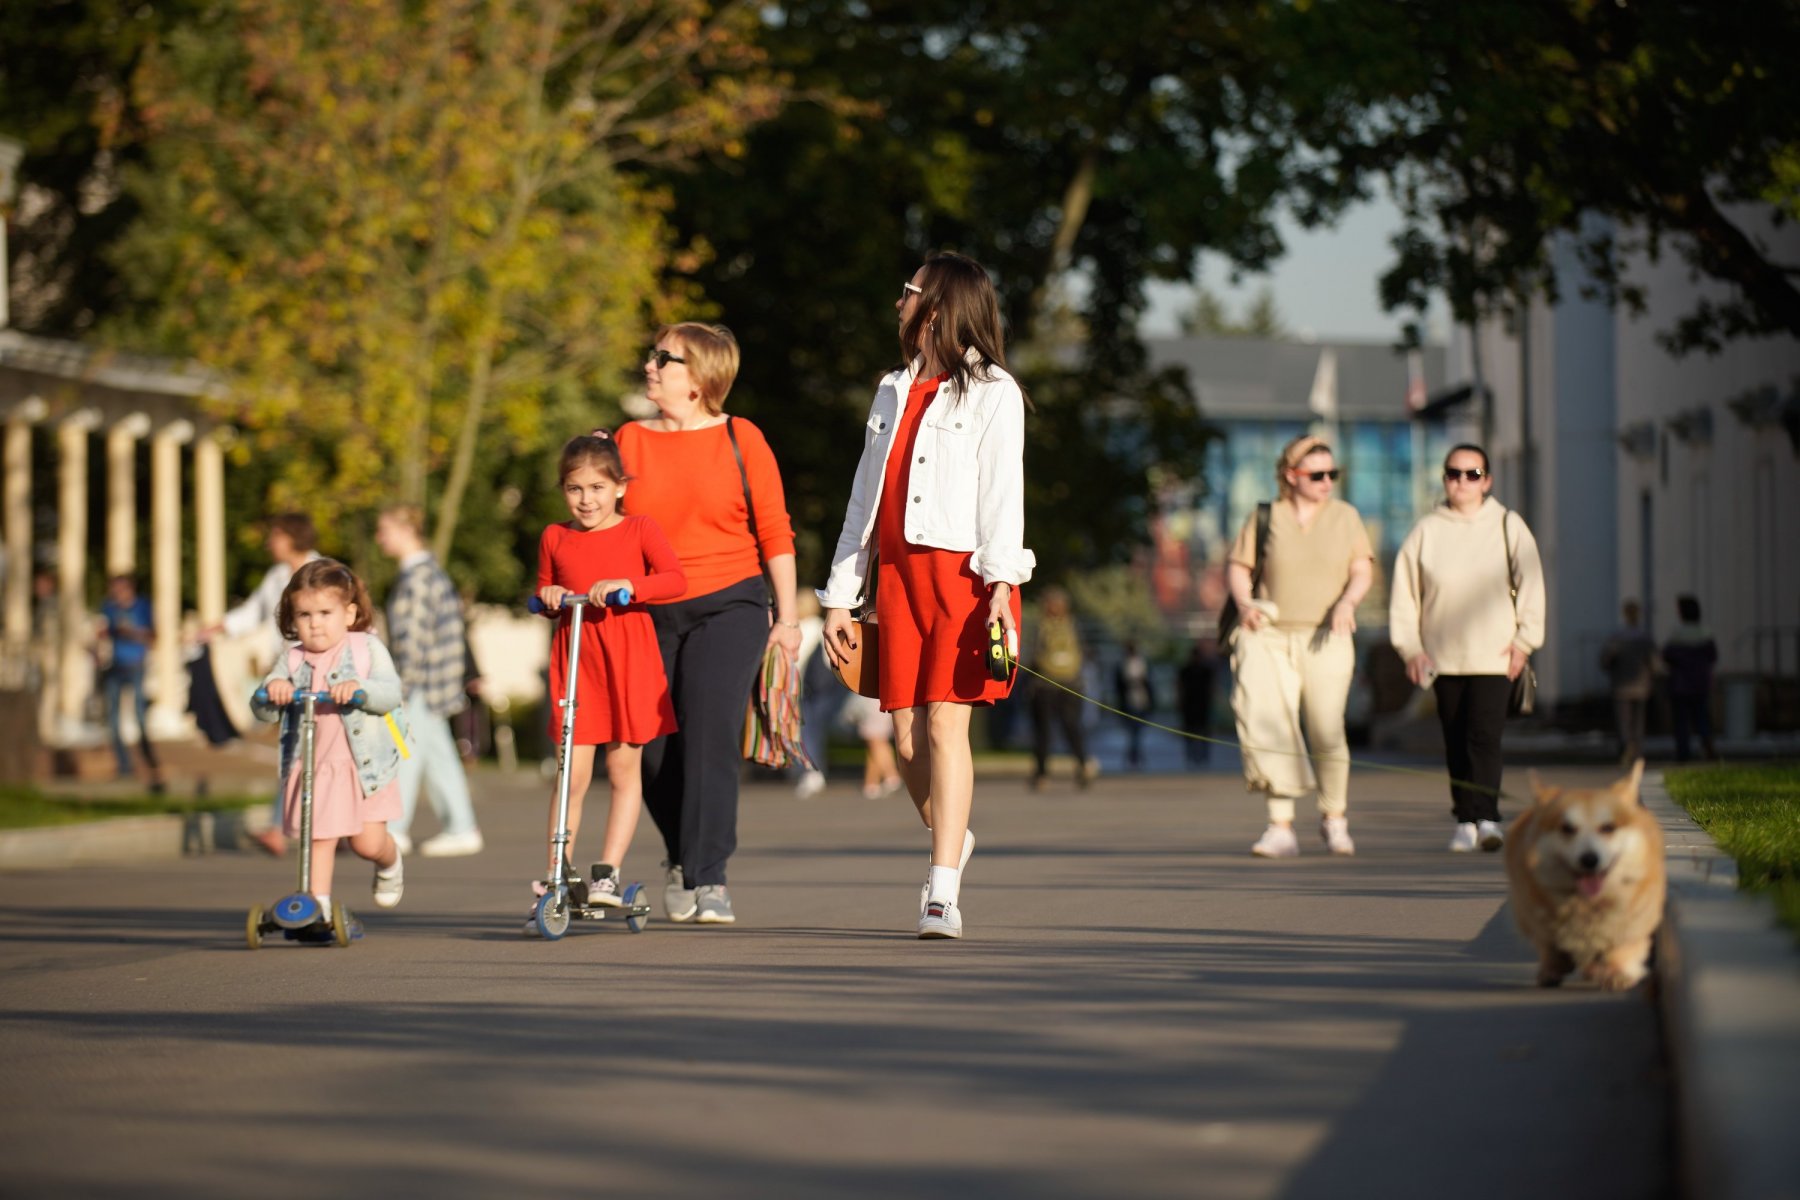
<point>1252,617</point>
<point>281,692</point>
<point>787,637</point>
<point>1420,669</point>
<point>1343,618</point>
<point>840,636</point>
<point>1515,663</point>
<point>344,691</point>
<point>1000,608</point>
<point>552,597</point>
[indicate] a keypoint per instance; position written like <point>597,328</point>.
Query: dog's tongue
<point>1589,885</point>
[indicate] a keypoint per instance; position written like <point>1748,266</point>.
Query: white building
<point>1646,476</point>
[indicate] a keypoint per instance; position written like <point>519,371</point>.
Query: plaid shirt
<point>425,635</point>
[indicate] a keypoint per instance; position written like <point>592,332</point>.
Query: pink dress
<point>339,807</point>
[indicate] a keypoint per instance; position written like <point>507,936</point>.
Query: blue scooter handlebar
<point>357,701</point>
<point>617,598</point>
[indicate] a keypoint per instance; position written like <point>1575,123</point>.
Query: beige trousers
<point>1289,690</point>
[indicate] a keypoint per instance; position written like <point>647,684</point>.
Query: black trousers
<point>1691,715</point>
<point>1053,704</point>
<point>712,646</point>
<point>1472,710</point>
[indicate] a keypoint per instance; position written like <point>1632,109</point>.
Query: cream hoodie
<point>1450,597</point>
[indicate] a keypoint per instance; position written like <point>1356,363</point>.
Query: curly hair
<point>316,576</point>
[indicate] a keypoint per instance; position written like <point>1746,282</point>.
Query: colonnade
<point>61,644</point>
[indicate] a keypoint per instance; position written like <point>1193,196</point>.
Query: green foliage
<point>1503,127</point>
<point>1208,317</point>
<point>1117,599</point>
<point>404,235</point>
<point>1753,813</point>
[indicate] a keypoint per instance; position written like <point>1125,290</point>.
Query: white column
<point>209,524</point>
<point>74,667</point>
<point>17,605</point>
<point>165,572</point>
<point>121,493</point>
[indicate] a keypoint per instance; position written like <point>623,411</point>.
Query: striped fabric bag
<point>772,721</point>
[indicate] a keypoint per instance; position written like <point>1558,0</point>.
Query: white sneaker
<point>1492,836</point>
<point>679,901</point>
<point>603,889</point>
<point>1336,832</point>
<point>962,864</point>
<point>811,784</point>
<point>941,919</point>
<point>390,883</point>
<point>1277,841</point>
<point>453,845</point>
<point>1465,838</point>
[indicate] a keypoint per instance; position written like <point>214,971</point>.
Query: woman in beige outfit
<point>1454,620</point>
<point>1292,657</point>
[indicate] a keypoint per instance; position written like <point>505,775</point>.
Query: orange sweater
<point>689,483</point>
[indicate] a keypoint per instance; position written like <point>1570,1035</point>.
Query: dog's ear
<point>1632,784</point>
<point>1539,792</point>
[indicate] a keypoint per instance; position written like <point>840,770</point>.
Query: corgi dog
<point>1584,869</point>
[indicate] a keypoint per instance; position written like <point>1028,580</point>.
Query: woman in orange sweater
<point>691,467</point>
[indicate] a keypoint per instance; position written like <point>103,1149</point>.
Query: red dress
<point>622,695</point>
<point>931,607</point>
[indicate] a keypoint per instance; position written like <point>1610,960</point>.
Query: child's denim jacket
<point>376,730</point>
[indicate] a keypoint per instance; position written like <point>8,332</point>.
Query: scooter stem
<point>560,843</point>
<point>308,728</point>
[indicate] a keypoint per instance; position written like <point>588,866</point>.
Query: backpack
<point>395,720</point>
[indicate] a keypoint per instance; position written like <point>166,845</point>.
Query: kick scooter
<point>298,915</point>
<point>566,893</point>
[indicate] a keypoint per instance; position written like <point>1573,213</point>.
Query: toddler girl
<point>325,609</point>
<point>622,696</point>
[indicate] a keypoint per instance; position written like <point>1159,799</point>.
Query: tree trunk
<point>481,374</point>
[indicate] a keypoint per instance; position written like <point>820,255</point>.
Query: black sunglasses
<point>663,358</point>
<point>1320,476</point>
<point>1472,474</point>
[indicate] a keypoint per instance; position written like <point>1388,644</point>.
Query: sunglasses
<point>910,287</point>
<point>1320,476</point>
<point>663,358</point>
<point>1472,474</point>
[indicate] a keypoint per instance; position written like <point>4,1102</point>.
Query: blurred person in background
<point>1691,655</point>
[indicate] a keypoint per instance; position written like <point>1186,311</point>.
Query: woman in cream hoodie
<point>1465,612</point>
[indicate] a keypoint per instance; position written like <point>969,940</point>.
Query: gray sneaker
<point>714,905</point>
<point>679,901</point>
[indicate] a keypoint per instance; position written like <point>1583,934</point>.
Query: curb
<point>1728,983</point>
<point>122,841</point>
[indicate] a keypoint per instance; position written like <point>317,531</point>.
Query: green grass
<point>28,808</point>
<point>1753,813</point>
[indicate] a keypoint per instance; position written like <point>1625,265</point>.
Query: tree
<point>1503,127</point>
<point>1077,151</point>
<point>1208,316</point>
<point>404,232</point>
<point>66,70</point>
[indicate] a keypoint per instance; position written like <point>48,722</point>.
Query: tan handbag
<point>862,674</point>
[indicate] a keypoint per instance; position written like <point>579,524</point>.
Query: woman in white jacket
<point>940,495</point>
<point>1466,610</point>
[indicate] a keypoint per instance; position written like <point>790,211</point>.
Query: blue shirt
<point>127,652</point>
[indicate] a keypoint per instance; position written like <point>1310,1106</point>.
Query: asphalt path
<point>1139,1009</point>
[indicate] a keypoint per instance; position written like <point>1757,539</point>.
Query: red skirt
<point>934,641</point>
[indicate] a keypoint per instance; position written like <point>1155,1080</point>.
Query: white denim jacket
<point>967,482</point>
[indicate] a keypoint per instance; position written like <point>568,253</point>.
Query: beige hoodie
<point>1450,597</point>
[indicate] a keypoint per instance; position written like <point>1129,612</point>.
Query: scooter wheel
<point>253,933</point>
<point>341,924</point>
<point>635,921</point>
<point>552,917</point>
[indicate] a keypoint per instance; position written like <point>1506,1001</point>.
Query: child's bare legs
<point>581,772</point>
<point>624,771</point>
<point>373,843</point>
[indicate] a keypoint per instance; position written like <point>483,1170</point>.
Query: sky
<point>1326,286</point>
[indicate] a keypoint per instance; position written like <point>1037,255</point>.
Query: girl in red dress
<point>622,697</point>
<point>940,491</point>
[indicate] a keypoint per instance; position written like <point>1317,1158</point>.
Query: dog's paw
<point>1617,977</point>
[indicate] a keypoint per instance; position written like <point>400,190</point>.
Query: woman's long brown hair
<point>957,311</point>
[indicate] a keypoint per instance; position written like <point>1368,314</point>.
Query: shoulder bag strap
<point>1512,582</point>
<point>1264,512</point>
<point>749,507</point>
